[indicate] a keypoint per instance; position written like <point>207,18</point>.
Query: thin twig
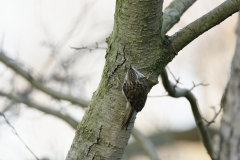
<point>15,132</point>
<point>88,48</point>
<point>196,85</point>
<point>215,116</point>
<point>177,80</point>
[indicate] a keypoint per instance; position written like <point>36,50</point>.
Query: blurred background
<point>63,44</point>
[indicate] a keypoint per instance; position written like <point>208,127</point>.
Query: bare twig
<point>215,116</point>
<point>181,92</point>
<point>69,61</point>
<point>172,74</point>
<point>89,48</point>
<point>15,132</point>
<point>37,84</point>
<point>177,80</point>
<point>196,85</point>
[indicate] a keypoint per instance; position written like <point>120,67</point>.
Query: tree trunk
<point>136,39</point>
<point>230,124</point>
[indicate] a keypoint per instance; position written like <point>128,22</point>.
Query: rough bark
<point>230,123</point>
<point>136,40</point>
<point>173,13</point>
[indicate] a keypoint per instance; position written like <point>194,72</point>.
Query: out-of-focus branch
<point>140,138</point>
<point>72,122</point>
<point>73,58</point>
<point>160,139</point>
<point>201,25</point>
<point>173,13</point>
<point>37,84</point>
<point>177,92</point>
<point>125,157</point>
<point>54,46</point>
<point>146,144</point>
<point>15,132</point>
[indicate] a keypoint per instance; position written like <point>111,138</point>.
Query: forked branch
<point>177,92</point>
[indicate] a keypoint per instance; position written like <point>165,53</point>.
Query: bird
<point>135,89</point>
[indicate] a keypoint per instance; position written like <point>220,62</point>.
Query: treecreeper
<point>135,88</point>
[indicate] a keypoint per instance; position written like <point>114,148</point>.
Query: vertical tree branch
<point>229,142</point>
<point>136,39</point>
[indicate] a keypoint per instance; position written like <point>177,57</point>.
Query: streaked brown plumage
<point>135,89</point>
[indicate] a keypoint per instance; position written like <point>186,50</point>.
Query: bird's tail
<point>127,118</point>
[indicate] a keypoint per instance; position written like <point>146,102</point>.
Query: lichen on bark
<point>136,39</point>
